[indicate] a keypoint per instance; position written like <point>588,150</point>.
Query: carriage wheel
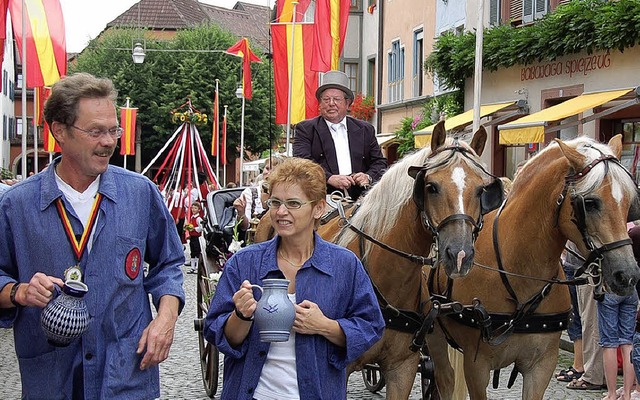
<point>209,355</point>
<point>373,378</point>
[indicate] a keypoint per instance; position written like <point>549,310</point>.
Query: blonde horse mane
<point>592,150</point>
<point>382,205</point>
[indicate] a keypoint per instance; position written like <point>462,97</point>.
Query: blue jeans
<point>617,319</point>
<point>574,330</point>
<point>635,355</point>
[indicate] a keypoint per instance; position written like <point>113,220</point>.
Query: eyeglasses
<point>337,100</point>
<point>115,132</point>
<point>292,204</point>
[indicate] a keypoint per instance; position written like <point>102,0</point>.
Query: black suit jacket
<point>313,141</point>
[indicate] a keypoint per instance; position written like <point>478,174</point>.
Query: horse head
<point>452,192</point>
<point>598,198</point>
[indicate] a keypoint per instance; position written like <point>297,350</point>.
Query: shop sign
<point>570,68</point>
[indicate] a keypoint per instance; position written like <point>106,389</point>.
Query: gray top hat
<point>335,80</point>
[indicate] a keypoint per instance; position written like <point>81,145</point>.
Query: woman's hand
<point>245,303</point>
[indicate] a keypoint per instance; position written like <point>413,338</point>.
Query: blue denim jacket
<point>334,279</point>
<point>131,216</point>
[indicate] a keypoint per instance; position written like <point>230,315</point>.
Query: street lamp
<point>240,95</point>
<point>138,53</point>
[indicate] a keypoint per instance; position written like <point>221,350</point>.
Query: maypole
<point>178,176</point>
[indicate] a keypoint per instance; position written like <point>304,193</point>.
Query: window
<point>355,4</point>
<point>494,12</point>
<point>630,130</point>
<point>533,9</point>
<point>371,77</point>
<point>418,59</point>
<point>5,134</point>
<point>395,75</point>
<point>12,90</point>
<point>5,78</point>
<point>19,126</point>
<point>351,69</point>
<point>19,81</point>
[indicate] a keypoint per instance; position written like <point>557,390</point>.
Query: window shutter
<point>527,10</point>
<point>494,12</point>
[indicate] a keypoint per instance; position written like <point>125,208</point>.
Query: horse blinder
<point>492,196</point>
<point>418,173</point>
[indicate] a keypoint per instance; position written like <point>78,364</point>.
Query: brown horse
<point>442,207</point>
<point>435,196</point>
<point>575,190</point>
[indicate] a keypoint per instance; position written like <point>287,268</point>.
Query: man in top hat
<point>345,147</point>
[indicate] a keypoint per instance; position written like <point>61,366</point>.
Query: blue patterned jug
<point>65,317</point>
<point>275,313</point>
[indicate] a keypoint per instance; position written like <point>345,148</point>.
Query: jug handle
<point>258,287</point>
<point>56,292</point>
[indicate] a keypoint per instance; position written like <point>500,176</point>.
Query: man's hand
<point>341,181</point>
<point>158,336</point>
<point>39,291</point>
<point>361,179</point>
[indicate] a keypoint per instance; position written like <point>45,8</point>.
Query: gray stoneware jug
<point>275,313</point>
<point>65,317</point>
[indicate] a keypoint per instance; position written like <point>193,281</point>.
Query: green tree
<point>167,78</point>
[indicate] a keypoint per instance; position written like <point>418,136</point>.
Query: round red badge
<point>133,264</point>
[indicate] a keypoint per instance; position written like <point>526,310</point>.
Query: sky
<point>85,19</point>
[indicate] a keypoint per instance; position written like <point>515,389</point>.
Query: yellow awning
<point>421,141</point>
<point>530,128</point>
<point>463,119</point>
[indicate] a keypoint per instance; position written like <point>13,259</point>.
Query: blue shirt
<point>132,216</point>
<point>334,279</point>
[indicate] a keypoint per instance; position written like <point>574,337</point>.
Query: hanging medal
<point>74,272</point>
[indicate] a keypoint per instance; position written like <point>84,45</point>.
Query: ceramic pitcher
<point>275,313</point>
<point>65,317</point>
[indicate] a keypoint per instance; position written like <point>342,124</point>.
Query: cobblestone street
<point>180,376</point>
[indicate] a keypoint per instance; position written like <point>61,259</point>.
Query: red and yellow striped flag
<point>216,128</point>
<point>45,38</point>
<point>128,124</point>
<point>49,143</point>
<point>304,80</point>
<point>331,20</point>
<point>242,49</point>
<point>4,5</point>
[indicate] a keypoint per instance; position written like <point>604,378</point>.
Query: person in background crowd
<point>634,234</point>
<point>194,229</point>
<point>251,202</point>
<point>593,376</point>
<point>125,222</point>
<point>337,314</point>
<point>345,147</point>
<point>570,264</point>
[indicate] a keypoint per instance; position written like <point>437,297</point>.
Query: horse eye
<point>591,205</point>
<point>431,188</point>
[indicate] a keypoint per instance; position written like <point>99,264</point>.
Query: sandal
<point>568,375</point>
<point>580,384</point>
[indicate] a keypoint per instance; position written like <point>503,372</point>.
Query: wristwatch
<point>242,317</point>
<point>12,294</point>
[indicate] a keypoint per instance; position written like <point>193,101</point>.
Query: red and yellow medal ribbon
<point>78,246</point>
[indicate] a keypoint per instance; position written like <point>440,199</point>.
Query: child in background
<point>194,227</point>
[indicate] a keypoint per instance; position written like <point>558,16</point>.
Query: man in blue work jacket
<point>83,219</point>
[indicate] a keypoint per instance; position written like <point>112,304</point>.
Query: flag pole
<point>25,129</point>
<point>293,30</point>
<point>35,131</point>
<point>224,148</point>
<point>217,133</point>
<point>477,79</point>
<point>125,156</point>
